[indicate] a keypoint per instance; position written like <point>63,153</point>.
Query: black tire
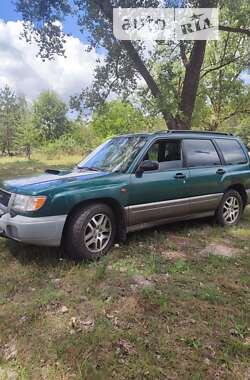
<point>225,205</point>
<point>76,233</point>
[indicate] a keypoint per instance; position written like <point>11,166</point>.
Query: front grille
<point>4,198</point>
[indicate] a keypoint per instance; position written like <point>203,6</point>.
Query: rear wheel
<point>91,232</point>
<point>230,209</point>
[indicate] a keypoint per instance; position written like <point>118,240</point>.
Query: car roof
<point>182,133</point>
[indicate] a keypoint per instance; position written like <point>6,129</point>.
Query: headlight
<point>28,203</point>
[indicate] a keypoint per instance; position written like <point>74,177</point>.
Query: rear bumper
<point>46,231</point>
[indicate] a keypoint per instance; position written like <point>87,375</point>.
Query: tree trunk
<point>191,83</point>
<point>28,152</point>
<point>152,85</point>
<point>107,9</point>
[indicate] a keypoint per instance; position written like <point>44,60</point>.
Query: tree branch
<point>219,67</point>
<point>107,10</point>
<point>236,112</point>
<point>231,29</point>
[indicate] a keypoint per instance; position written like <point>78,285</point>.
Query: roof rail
<point>199,132</point>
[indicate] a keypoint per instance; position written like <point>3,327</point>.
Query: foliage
<point>223,93</point>
<point>240,125</point>
<point>26,136</point>
<point>49,116</point>
<point>80,139</point>
<point>172,79</point>
<point>117,118</point>
<point>9,110</point>
<point>22,126</point>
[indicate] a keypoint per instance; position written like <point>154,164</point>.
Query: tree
<point>8,118</point>
<point>118,117</point>
<point>26,136</point>
<point>49,116</point>
<point>125,60</point>
<point>223,92</point>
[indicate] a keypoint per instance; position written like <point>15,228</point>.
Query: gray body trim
<point>160,222</point>
<point>45,231</point>
<point>167,211</point>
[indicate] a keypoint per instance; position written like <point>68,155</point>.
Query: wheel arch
<point>117,208</point>
<point>241,190</point>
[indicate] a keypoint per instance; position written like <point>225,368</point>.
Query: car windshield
<point>115,155</point>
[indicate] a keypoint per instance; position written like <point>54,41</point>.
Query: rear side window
<point>201,153</point>
<point>232,151</point>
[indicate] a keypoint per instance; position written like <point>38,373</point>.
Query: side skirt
<point>143,226</point>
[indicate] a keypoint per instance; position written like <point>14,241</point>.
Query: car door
<point>162,193</point>
<point>206,174</point>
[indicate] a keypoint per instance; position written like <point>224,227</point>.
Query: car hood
<point>48,179</point>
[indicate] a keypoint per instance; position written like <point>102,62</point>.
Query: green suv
<point>128,183</point>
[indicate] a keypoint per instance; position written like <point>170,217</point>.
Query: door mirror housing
<point>147,166</point>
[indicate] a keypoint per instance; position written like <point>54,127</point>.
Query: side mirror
<point>147,166</point>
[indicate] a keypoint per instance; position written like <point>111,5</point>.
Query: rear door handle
<point>220,171</point>
<point>180,176</point>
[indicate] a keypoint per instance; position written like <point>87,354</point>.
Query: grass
<point>154,308</point>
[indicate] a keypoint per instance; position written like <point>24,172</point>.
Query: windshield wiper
<point>92,168</point>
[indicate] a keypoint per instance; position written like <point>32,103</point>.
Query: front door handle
<point>220,171</point>
<point>180,176</point>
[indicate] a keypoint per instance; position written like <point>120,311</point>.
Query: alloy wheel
<point>98,233</point>
<point>231,210</point>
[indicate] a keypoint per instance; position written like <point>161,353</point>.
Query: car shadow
<point>51,256</point>
<point>179,227</point>
<point>43,256</point>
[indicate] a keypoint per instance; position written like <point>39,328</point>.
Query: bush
<point>80,141</point>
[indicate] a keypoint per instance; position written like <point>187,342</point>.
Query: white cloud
<point>28,75</point>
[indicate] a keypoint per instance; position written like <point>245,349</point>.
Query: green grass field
<point>161,306</point>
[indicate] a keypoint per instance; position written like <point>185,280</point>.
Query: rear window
<point>232,151</point>
<point>200,153</point>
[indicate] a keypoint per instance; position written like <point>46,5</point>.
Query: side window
<point>232,151</point>
<point>201,153</point>
<point>153,153</point>
<point>167,153</point>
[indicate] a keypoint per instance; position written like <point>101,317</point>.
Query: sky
<point>28,75</point>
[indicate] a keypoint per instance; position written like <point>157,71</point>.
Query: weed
<point>179,266</point>
<point>193,342</point>
<point>155,298</point>
<point>240,330</point>
<point>210,294</point>
<point>233,348</point>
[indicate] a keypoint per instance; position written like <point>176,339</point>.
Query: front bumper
<point>46,231</point>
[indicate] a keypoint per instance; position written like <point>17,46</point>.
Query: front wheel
<point>230,209</point>
<point>91,232</point>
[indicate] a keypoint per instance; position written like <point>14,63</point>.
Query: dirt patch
<point>229,284</point>
<point>9,350</point>
<point>141,282</point>
<point>173,255</point>
<point>218,249</point>
<point>7,374</point>
<point>127,306</point>
<point>185,242</point>
<point>247,342</point>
